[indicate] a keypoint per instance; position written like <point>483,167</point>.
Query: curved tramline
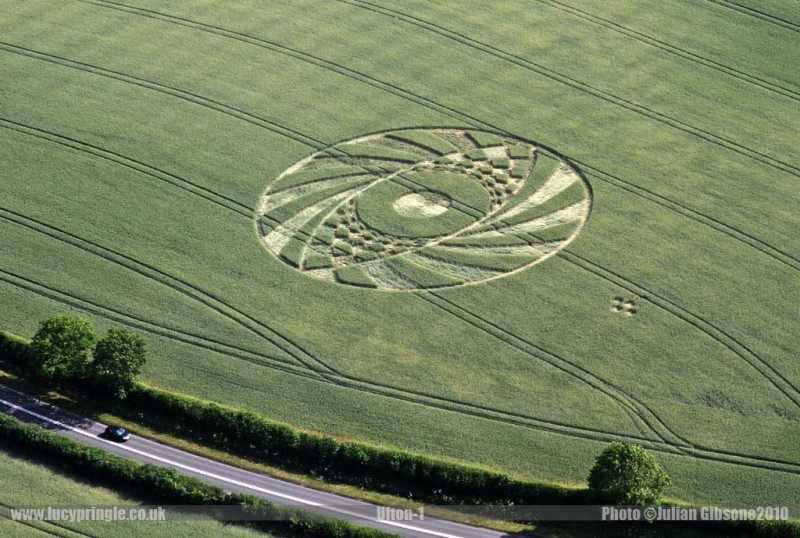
<point>667,439</point>
<point>422,209</point>
<point>723,338</point>
<point>599,93</point>
<point>661,445</point>
<point>59,530</point>
<point>407,271</point>
<point>757,14</point>
<point>664,119</point>
<point>670,48</point>
<point>707,220</point>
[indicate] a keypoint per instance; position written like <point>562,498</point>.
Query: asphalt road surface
<point>228,477</point>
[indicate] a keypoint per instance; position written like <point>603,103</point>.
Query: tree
<point>118,360</point>
<point>62,347</point>
<point>625,474</point>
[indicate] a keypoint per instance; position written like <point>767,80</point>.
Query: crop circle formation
<point>422,209</point>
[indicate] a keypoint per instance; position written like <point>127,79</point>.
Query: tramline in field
<point>249,186</point>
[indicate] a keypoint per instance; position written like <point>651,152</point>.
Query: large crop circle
<point>422,208</point>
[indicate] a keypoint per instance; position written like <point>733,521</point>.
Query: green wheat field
<point>504,233</point>
<point>43,487</point>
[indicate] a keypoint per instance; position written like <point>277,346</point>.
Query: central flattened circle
<point>422,204</point>
<point>376,207</point>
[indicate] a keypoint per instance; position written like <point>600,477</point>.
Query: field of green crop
<point>141,141</point>
<point>43,488</point>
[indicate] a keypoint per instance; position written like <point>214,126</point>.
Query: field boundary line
<point>769,372</point>
<point>514,419</point>
<point>153,172</point>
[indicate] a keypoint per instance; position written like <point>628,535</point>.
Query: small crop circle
<point>422,209</point>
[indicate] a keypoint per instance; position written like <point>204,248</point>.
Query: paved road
<point>230,478</point>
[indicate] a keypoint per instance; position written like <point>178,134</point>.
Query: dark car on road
<point>117,433</point>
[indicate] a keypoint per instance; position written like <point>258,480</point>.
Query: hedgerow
<point>257,438</point>
<point>161,485</point>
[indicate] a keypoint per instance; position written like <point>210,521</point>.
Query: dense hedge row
<point>425,479</point>
<point>162,485</point>
<point>15,354</point>
<point>258,439</point>
<point>673,529</point>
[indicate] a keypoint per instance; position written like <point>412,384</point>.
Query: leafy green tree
<point>118,360</point>
<point>626,474</point>
<point>62,347</point>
